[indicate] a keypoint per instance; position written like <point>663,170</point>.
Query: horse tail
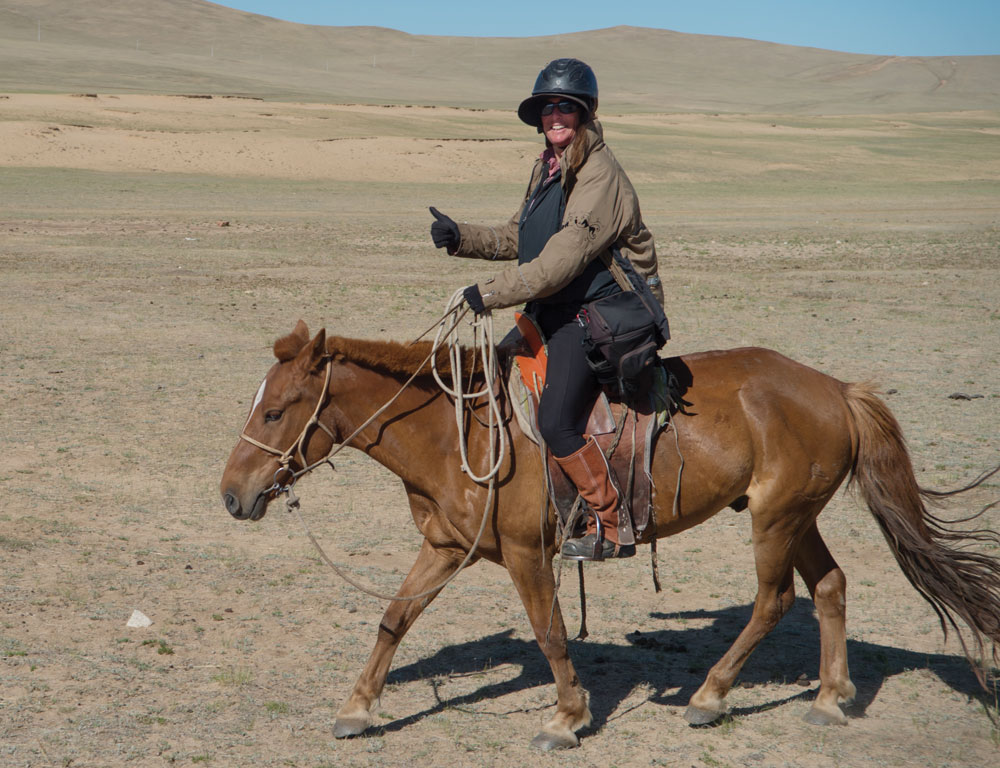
<point>957,582</point>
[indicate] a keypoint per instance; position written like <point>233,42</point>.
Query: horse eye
<point>272,415</point>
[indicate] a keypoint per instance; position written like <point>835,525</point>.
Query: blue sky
<point>883,27</point>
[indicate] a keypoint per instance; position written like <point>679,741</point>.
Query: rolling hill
<point>191,46</point>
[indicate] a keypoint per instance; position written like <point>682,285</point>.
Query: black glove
<point>444,231</point>
<point>474,299</point>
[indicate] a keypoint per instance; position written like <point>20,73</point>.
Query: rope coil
<point>482,328</point>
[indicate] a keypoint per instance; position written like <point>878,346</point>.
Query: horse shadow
<point>672,664</point>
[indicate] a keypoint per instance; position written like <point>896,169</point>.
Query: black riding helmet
<point>563,77</point>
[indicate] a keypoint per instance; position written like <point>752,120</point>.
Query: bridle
<point>295,451</point>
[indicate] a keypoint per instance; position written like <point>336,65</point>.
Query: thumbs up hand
<point>444,231</point>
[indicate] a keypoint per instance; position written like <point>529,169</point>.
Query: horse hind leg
<point>431,568</point>
<point>828,588</point>
<point>773,546</point>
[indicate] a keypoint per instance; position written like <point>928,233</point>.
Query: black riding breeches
<point>570,390</point>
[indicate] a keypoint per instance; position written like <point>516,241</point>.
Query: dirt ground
<point>152,249</point>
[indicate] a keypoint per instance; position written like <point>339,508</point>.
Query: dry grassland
<point>135,330</point>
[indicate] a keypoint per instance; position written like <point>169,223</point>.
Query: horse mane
<point>401,360</point>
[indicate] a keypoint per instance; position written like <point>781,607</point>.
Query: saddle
<point>626,431</point>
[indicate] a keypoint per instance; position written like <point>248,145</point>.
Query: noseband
<point>295,451</point>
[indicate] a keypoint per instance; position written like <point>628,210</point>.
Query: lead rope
<point>292,504</point>
<point>447,335</point>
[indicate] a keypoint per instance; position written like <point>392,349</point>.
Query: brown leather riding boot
<point>588,469</point>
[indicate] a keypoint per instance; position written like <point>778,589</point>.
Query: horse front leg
<point>431,568</point>
<point>535,583</point>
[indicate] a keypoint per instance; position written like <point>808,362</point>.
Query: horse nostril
<point>233,505</point>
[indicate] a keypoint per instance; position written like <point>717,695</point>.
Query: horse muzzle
<point>254,513</point>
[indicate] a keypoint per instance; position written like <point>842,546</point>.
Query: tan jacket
<point>602,211</point>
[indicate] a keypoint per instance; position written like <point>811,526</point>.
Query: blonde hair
<point>576,151</point>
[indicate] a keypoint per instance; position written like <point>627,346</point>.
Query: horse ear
<point>287,347</point>
<point>313,354</point>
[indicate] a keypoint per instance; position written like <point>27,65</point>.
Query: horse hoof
<point>822,717</point>
<point>346,727</point>
<point>696,716</point>
<point>549,741</point>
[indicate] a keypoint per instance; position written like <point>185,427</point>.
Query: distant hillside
<point>191,46</point>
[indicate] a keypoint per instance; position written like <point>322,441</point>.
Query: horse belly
<point>713,471</point>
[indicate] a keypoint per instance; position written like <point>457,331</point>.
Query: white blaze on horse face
<point>256,402</point>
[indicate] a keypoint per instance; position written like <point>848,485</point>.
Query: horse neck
<point>413,438</point>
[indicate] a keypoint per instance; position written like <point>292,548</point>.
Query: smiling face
<point>559,128</point>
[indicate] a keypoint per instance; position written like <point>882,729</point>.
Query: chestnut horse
<point>762,433</point>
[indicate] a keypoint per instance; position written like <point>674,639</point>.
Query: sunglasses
<point>564,107</point>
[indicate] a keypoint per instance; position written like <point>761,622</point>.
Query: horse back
<point>756,379</point>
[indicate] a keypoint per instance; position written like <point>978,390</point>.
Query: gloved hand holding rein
<point>474,299</point>
<point>444,231</point>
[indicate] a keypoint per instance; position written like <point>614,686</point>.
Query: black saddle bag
<point>623,332</point>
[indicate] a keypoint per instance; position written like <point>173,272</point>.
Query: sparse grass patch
<point>162,647</point>
<point>15,545</point>
<point>234,676</point>
<point>276,707</point>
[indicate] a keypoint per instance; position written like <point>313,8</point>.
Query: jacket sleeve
<point>485,242</point>
<point>591,223</point>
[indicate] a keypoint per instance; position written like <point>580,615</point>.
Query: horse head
<point>278,438</point>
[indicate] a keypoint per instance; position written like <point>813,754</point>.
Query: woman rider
<point>578,208</point>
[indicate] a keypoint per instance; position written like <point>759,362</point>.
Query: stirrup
<point>593,547</point>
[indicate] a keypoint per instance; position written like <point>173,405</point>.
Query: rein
<point>447,334</point>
